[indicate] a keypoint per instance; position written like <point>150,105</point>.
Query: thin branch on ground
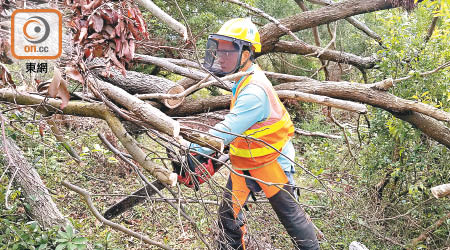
<point>118,227</point>
<point>345,135</point>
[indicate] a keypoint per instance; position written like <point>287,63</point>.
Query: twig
<point>442,66</point>
<point>146,181</point>
<point>268,17</point>
<point>332,41</point>
<point>58,135</point>
<point>308,133</point>
<point>118,227</point>
<point>423,236</point>
<point>345,134</point>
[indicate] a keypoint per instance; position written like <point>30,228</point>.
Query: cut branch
<point>42,208</point>
<point>97,111</point>
<point>161,173</point>
<point>136,82</point>
<point>365,94</point>
<point>441,191</point>
<point>319,134</point>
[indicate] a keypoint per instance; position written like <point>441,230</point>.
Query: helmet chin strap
<point>242,65</point>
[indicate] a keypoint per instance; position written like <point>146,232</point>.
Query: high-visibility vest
<point>255,149</point>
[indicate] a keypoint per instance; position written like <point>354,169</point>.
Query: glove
<point>201,169</point>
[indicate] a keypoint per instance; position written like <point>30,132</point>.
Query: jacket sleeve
<point>250,107</point>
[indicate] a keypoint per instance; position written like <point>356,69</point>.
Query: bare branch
<point>145,111</point>
<point>118,227</point>
<point>424,235</point>
<point>270,33</point>
<point>331,102</point>
<point>352,20</point>
<point>308,133</point>
<point>163,16</point>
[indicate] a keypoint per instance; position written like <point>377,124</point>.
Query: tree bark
<point>138,83</point>
<point>143,110</point>
<point>42,207</point>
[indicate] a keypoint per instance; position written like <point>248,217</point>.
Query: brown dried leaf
<point>118,45</point>
<point>98,50</point>
<point>116,62</point>
<point>64,94</point>
<point>97,23</point>
<point>83,33</point>
<point>132,49</point>
<point>54,85</point>
<point>58,88</point>
<point>41,128</point>
<point>110,30</point>
<point>95,36</point>
<point>107,15</point>
<point>87,53</point>
<point>133,31</point>
<point>5,77</point>
<point>74,74</point>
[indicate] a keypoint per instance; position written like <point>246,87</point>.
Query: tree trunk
<point>42,207</point>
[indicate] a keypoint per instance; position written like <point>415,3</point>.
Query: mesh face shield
<point>223,54</point>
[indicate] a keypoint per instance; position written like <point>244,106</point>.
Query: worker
<point>258,115</point>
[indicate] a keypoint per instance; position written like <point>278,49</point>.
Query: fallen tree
<point>22,173</point>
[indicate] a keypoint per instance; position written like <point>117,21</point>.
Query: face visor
<point>223,54</point>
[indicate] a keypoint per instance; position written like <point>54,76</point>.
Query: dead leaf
<point>98,50</point>
<point>83,33</point>
<point>97,23</point>
<point>107,15</point>
<point>5,76</point>
<point>118,45</point>
<point>116,62</point>
<point>54,85</point>
<point>87,53</point>
<point>58,88</point>
<point>110,30</point>
<point>41,128</point>
<point>64,94</point>
<point>132,49</point>
<point>74,74</point>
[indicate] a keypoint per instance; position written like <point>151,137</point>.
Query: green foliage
<point>68,240</point>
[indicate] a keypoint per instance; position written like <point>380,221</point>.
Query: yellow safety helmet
<point>243,29</point>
